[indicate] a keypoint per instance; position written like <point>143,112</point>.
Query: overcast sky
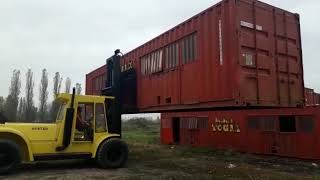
<point>76,36</point>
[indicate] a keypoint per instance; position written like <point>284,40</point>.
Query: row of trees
<point>23,109</point>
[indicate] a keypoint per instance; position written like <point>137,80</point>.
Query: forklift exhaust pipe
<point>68,124</point>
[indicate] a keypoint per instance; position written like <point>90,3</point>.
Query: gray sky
<point>75,36</point>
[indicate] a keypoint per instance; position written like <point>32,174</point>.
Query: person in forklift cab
<point>81,124</point>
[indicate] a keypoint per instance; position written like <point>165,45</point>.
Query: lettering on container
<point>225,125</point>
<point>127,66</point>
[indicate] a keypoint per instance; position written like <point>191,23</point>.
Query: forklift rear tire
<point>10,156</point>
<point>113,153</point>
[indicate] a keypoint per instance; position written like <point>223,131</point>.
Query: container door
<point>254,135</point>
<point>176,130</point>
<point>269,134</point>
<point>257,65</point>
<point>166,130</point>
<point>288,56</point>
<point>306,137</point>
<point>287,137</point>
<point>270,55</point>
<point>193,137</point>
<point>190,131</point>
<point>262,134</point>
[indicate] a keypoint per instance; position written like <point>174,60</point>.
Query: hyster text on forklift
<point>85,127</point>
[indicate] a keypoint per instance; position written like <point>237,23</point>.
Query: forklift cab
<point>90,119</point>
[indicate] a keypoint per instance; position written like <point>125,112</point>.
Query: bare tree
<point>29,106</point>
<point>2,103</point>
<point>56,90</point>
<point>68,85</point>
<point>11,105</point>
<point>21,109</point>
<point>78,88</point>
<point>43,97</point>
<point>56,84</point>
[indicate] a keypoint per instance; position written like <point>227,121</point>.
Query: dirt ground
<point>172,162</point>
<point>150,160</point>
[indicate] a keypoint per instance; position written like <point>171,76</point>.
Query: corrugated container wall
<point>291,132</point>
<point>317,99</point>
<point>312,98</point>
<point>96,81</point>
<point>236,53</point>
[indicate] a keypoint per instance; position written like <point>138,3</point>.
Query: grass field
<point>148,159</point>
<point>178,162</point>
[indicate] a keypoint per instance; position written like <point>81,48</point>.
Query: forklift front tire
<point>113,153</point>
<point>10,156</point>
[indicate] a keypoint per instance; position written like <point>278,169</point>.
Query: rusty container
<point>96,81</point>
<point>312,98</point>
<point>317,99</point>
<point>289,132</point>
<point>237,53</point>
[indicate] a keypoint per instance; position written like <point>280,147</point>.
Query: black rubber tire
<point>113,153</point>
<point>10,156</point>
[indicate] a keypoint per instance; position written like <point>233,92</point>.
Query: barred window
<point>189,49</point>
<point>184,123</point>
<point>152,63</point>
<point>254,123</point>
<point>194,123</point>
<point>203,122</point>
<point>96,84</point>
<point>99,83</point>
<point>266,123</point>
<point>306,124</point>
<point>172,56</point>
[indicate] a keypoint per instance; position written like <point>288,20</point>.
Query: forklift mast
<point>123,87</point>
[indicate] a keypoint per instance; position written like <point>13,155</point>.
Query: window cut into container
<point>254,123</point>
<point>192,123</point>
<point>152,63</point>
<point>202,122</point>
<point>268,123</point>
<point>306,124</point>
<point>261,123</point>
<point>189,48</point>
<point>172,56</point>
<point>287,124</point>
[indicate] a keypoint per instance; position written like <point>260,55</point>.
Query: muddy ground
<point>150,160</point>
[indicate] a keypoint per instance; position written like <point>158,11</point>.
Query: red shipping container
<point>236,53</point>
<point>309,93</point>
<point>316,98</point>
<point>290,132</point>
<point>312,98</point>
<point>96,81</point>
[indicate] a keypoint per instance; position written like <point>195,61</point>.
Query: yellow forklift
<point>85,127</point>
